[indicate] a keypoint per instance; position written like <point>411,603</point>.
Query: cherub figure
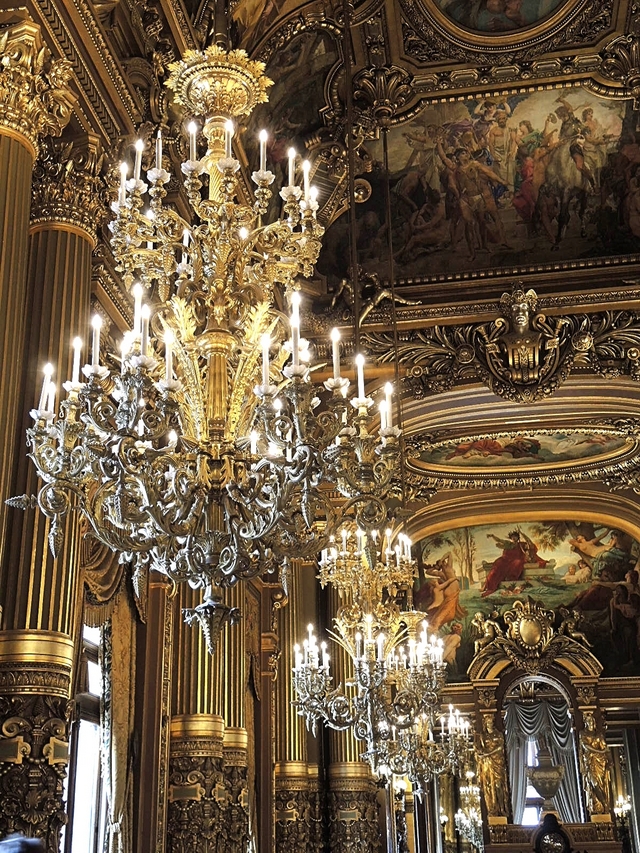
<point>569,625</point>
<point>372,293</point>
<point>488,628</point>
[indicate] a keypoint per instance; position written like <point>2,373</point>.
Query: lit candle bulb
<point>185,245</point>
<point>138,161</point>
<point>159,151</point>
<point>75,370</point>
<point>295,329</point>
<point>266,344</point>
<point>358,644</point>
<point>193,130</point>
<point>263,136</point>
<point>51,398</point>
<point>383,415</point>
<point>292,165</point>
<point>388,391</point>
<point>48,373</point>
<point>306,169</point>
<point>96,324</point>
<point>253,438</point>
<point>137,306</point>
<point>323,649</point>
<point>228,137</point>
<point>168,355</point>
<point>360,369</point>
<point>335,347</point>
<point>380,646</point>
<point>145,313</point>
<point>124,171</point>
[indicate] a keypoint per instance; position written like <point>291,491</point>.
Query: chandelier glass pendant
<point>179,459</point>
<point>392,703</point>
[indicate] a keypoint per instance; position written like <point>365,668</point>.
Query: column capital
<point>34,98</point>
<point>66,191</point>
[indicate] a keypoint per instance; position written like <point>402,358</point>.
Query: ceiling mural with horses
<point>524,182</point>
<point>469,574</point>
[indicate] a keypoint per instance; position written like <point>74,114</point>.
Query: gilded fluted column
<point>353,807</point>
<point>292,782</point>
<point>36,645</point>
<point>33,103</point>
<point>198,798</point>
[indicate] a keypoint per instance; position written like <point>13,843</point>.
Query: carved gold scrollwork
<point>521,356</point>
<point>621,62</point>
<point>67,187</point>
<point>34,97</point>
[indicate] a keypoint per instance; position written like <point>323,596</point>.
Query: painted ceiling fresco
<point>587,567</point>
<point>519,450</point>
<point>539,178</point>
<point>497,16</point>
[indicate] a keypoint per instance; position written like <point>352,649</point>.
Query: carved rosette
<point>67,188</point>
<point>35,679</point>
<point>34,98</point>
<point>353,811</point>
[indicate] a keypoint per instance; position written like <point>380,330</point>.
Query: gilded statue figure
<point>492,768</point>
<point>594,766</point>
<point>521,347</point>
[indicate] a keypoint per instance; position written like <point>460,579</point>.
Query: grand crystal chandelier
<point>205,454</point>
<point>393,702</point>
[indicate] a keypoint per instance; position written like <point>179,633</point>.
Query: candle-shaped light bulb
<point>159,150</point>
<point>229,130</point>
<point>262,137</point>
<point>295,328</point>
<point>383,415</point>
<point>243,233</point>
<point>48,373</point>
<point>358,644</point>
<point>253,439</point>
<point>266,344</point>
<point>138,161</point>
<point>380,646</point>
<point>306,169</point>
<point>193,132</point>
<point>185,245</point>
<point>168,355</point>
<point>388,391</point>
<point>75,370</point>
<point>291,154</point>
<point>137,307</point>
<point>51,398</point>
<point>360,369</point>
<point>124,171</point>
<point>145,313</point>
<point>313,194</point>
<point>96,323</point>
<point>335,347</point>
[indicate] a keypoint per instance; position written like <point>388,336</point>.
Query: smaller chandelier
<point>468,818</point>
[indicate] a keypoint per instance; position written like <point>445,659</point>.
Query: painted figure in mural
<point>594,766</point>
<point>451,643</point>
<point>471,184</point>
<point>439,597</point>
<point>517,550</point>
<point>491,768</point>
